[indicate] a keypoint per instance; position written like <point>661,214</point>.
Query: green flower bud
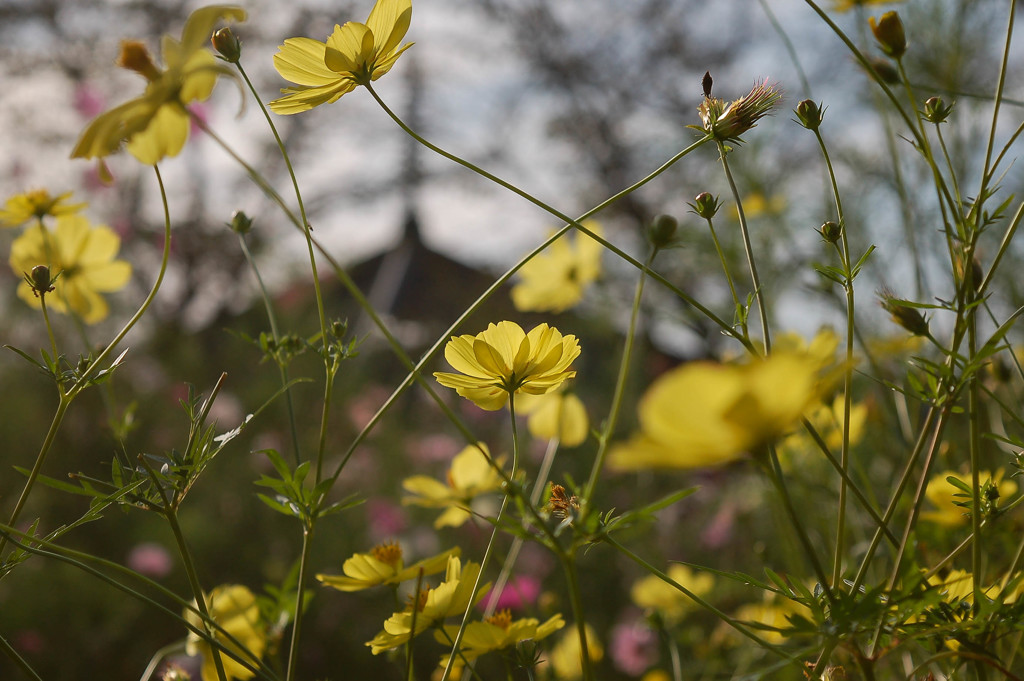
<point>339,328</point>
<point>830,232</point>
<point>705,205</point>
<point>662,230</point>
<point>910,318</point>
<point>227,45</point>
<point>809,114</point>
<point>40,281</point>
<point>240,222</point>
<point>889,33</point>
<point>885,71</point>
<point>936,110</point>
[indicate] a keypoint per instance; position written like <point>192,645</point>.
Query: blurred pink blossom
<point>520,592</point>
<point>88,102</point>
<point>433,448</point>
<point>150,559</point>
<point>384,519</point>
<point>634,647</point>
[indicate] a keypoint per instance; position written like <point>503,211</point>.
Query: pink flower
<point>520,591</point>
<point>634,647</point>
<point>384,518</point>
<point>88,102</point>
<point>150,559</point>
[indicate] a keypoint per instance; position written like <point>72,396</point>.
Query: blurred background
<point>570,100</point>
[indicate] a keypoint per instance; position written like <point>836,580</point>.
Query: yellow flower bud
<point>889,33</point>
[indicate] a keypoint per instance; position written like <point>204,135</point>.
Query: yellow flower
<point>554,280</point>
<point>355,54</point>
<point>565,657</point>
<point>84,257</point>
<point>503,360</point>
<point>156,124</point>
<point>497,632</point>
<point>383,565</point>
<point>655,595</point>
<point>705,414</point>
<point>234,609</point>
<point>942,495</point>
<point>470,475</point>
<point>36,203</point>
<point>558,414</point>
<point>451,597</point>
<point>828,421</point>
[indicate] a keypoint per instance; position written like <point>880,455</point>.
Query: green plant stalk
<point>21,662</point>
<point>158,657</point>
<point>844,460</point>
<point>755,280</point>
<point>770,647</point>
<point>76,559</point>
<point>490,542</point>
<point>988,168</point>
<point>728,274</point>
<point>576,602</point>
<point>272,319</point>
<point>49,330</point>
<point>170,512</point>
<point>620,389</point>
<point>67,397</point>
<point>974,434</point>
<point>293,646</point>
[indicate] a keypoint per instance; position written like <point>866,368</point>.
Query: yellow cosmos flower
<point>655,595</point>
<point>705,414</point>
<point>233,607</point>
<point>497,632</point>
<point>503,360</point>
<point>156,124</point>
<point>557,414</point>
<point>451,597</point>
<point>36,203</point>
<point>383,565</point>
<point>84,257</point>
<point>773,617</point>
<point>355,54</point>
<point>944,497</point>
<point>555,280</point>
<point>565,657</point>
<point>470,475</point>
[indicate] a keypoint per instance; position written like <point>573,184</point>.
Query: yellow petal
<point>301,60</point>
<point>164,136</point>
<point>389,21</point>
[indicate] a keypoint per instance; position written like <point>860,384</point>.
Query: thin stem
<point>745,232</point>
<point>728,274</point>
<point>576,603</point>
<point>21,662</point>
<point>620,386</point>
<point>293,647</point>
<point>49,327</point>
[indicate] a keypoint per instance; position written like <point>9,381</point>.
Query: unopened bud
<point>135,57</point>
<point>936,110</point>
<point>901,312</point>
<point>227,45</point>
<point>830,232</point>
<point>809,114</point>
<point>705,205</point>
<point>339,328</point>
<point>889,33</point>
<point>884,69</point>
<point>662,230</point>
<point>40,280</point>
<point>240,222</point>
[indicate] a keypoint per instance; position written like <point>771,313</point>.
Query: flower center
<point>390,553</point>
<point>502,619</point>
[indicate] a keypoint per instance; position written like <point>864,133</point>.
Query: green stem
<point>728,274</point>
<point>293,648</point>
<point>272,319</point>
<point>18,660</point>
<point>745,232</point>
<point>620,387</point>
<point>576,602</point>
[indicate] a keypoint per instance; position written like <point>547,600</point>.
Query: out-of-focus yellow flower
<point>757,204</point>
<point>565,656</point>
<point>497,632</point>
<point>470,475</point>
<point>942,495</point>
<point>555,280</point>
<point>705,414</point>
<point>233,607</point>
<point>85,258</point>
<point>655,595</point>
<point>773,613</point>
<point>656,675</point>
<point>155,125</point>
<point>36,203</point>
<point>503,360</point>
<point>383,565</point>
<point>847,5</point>
<point>451,597</point>
<point>355,54</point>
<point>828,421</point>
<point>558,414</point>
